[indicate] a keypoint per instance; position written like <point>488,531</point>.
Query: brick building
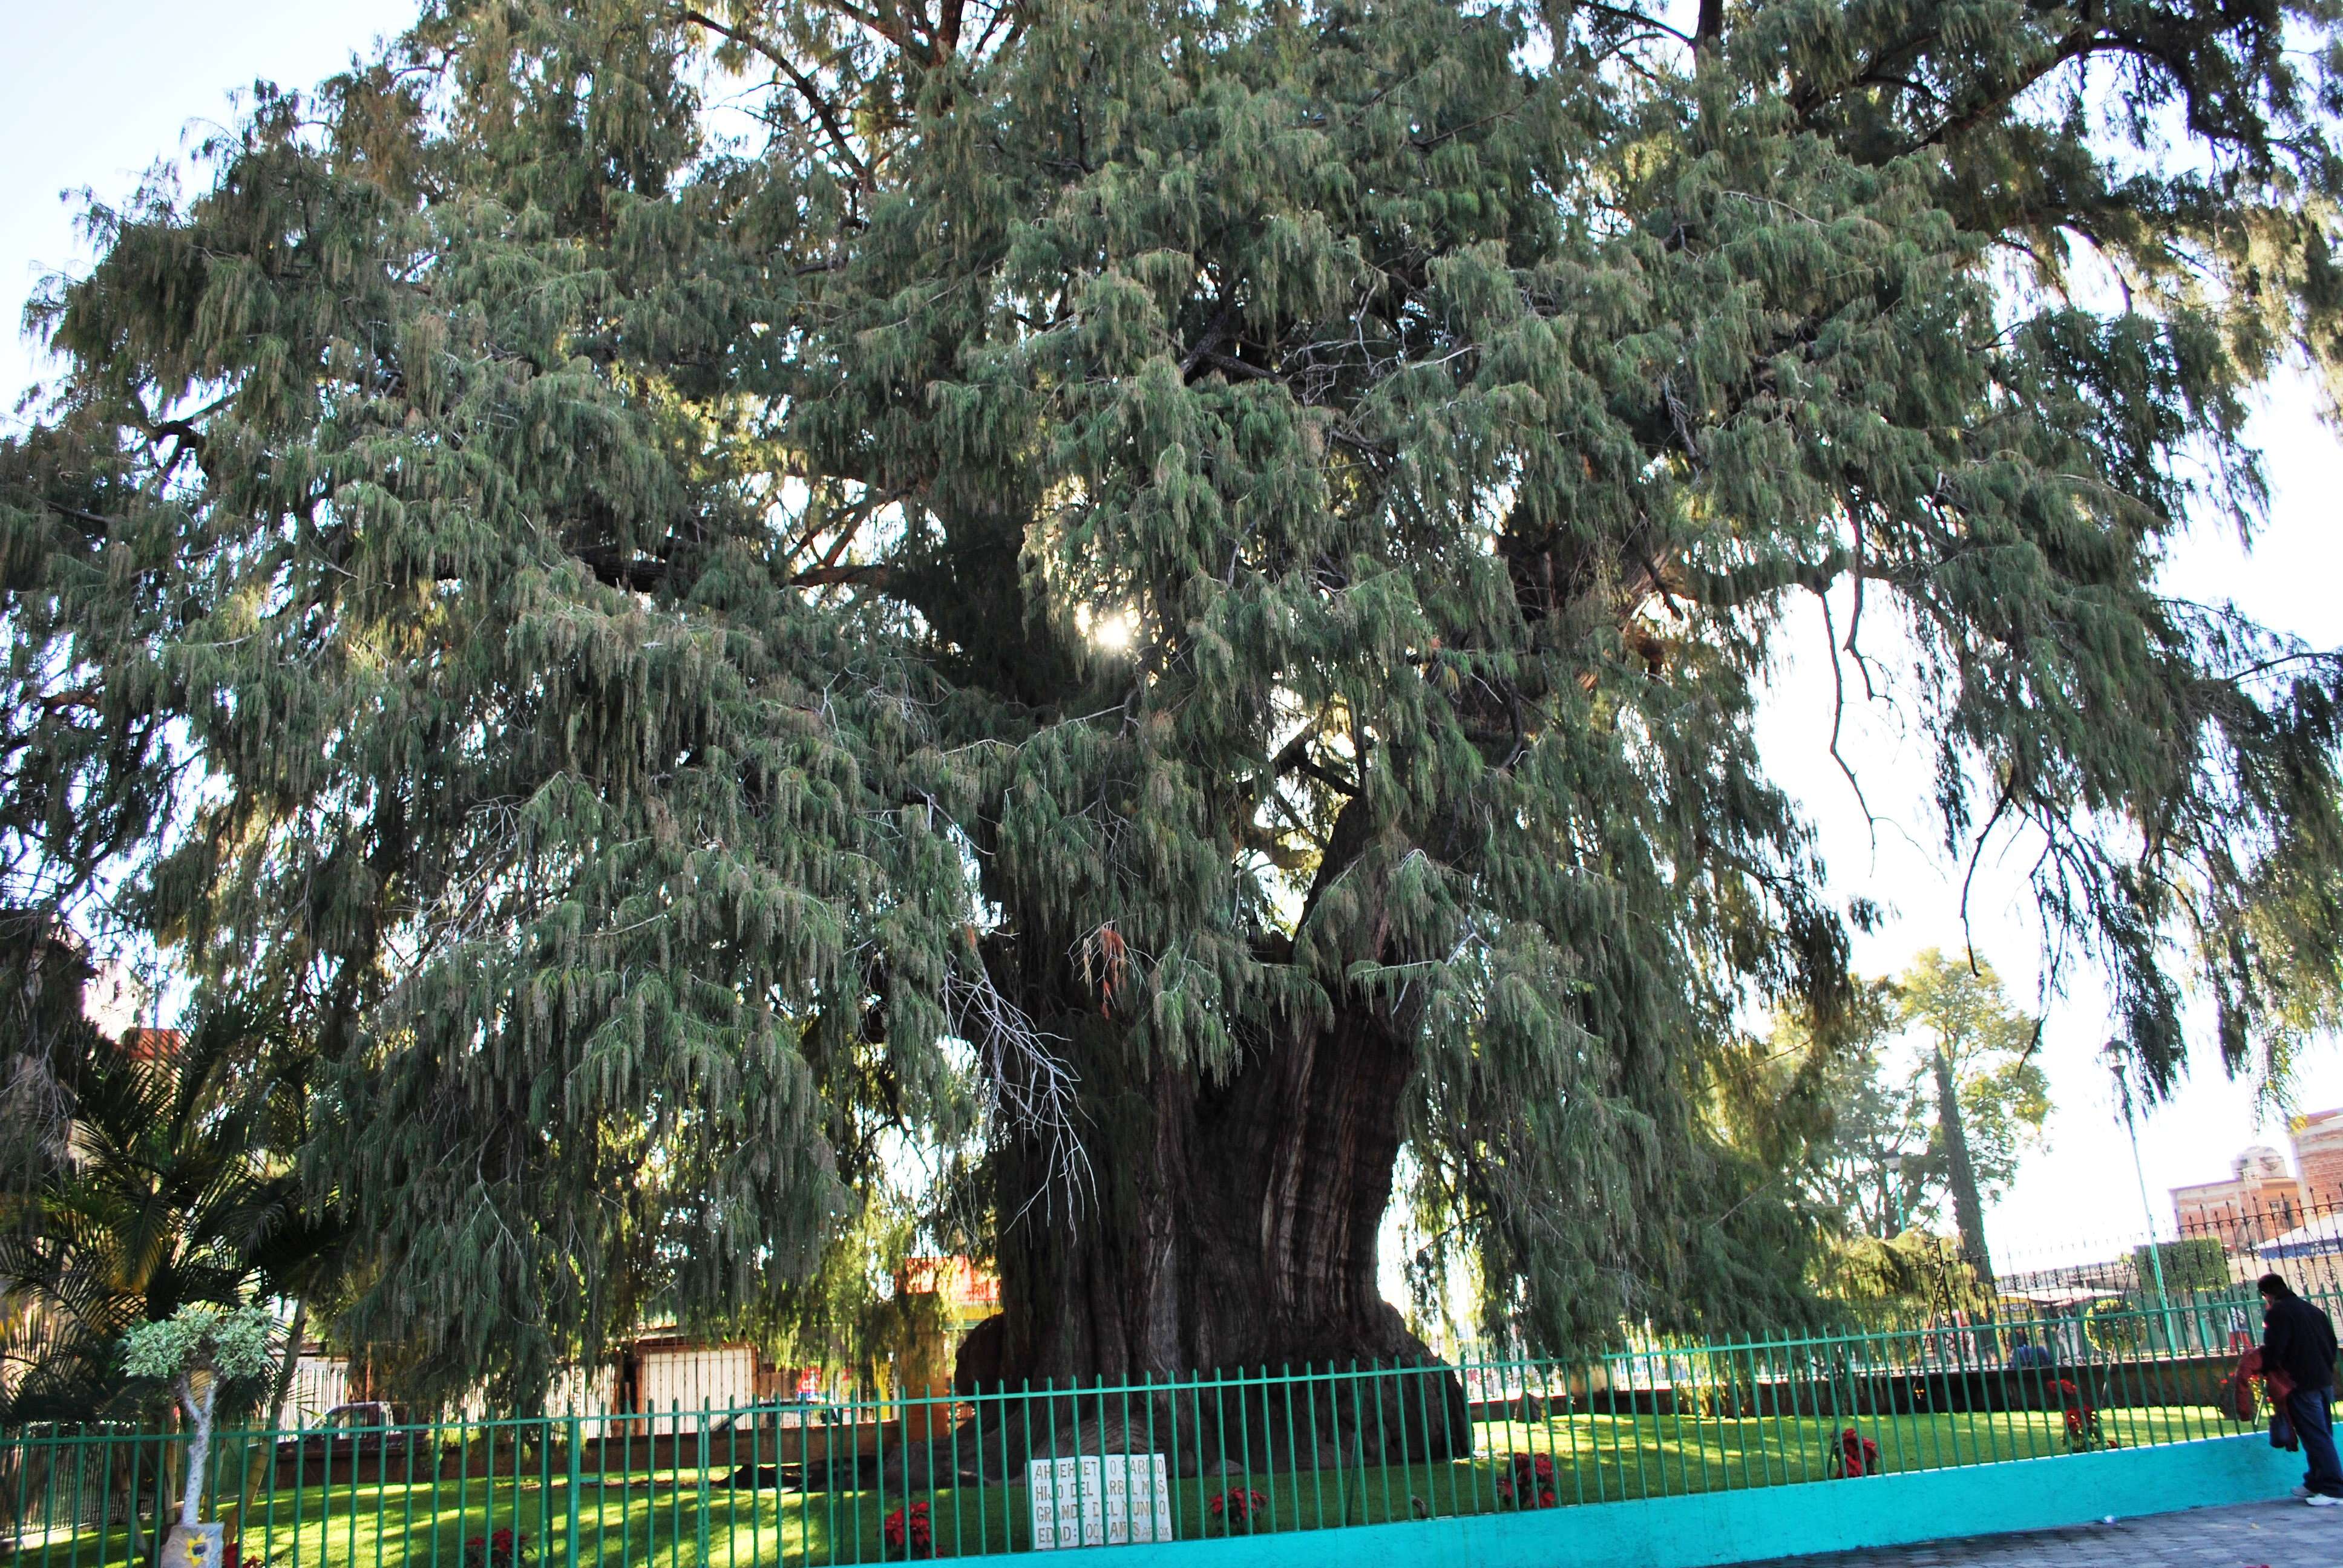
<point>2260,1199</point>
<point>2318,1140</point>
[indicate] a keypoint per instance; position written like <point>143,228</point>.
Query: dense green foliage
<point>209,1341</point>
<point>199,1351</point>
<point>698,618</point>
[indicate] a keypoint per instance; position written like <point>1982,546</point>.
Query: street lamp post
<point>2115,1054</point>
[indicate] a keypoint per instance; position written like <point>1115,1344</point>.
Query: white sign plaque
<point>1095,1500</point>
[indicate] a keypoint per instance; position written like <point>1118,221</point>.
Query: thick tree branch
<point>639,574</point>
<point>1709,31</point>
<point>823,110</point>
<point>831,577</point>
<point>1629,14</point>
<point>1210,340</point>
<point>2082,43</point>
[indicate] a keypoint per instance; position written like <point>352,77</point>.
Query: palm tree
<point>147,1174</point>
<point>158,1175</point>
<point>158,1197</point>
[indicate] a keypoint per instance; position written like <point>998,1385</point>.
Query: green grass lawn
<point>669,1519</point>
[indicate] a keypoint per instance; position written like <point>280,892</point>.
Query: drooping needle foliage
<point>1158,597</point>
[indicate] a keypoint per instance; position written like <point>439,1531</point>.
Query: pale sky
<point>90,95</point>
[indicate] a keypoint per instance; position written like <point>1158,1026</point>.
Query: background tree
<point>1173,593</point>
<point>1877,1138</point>
<point>1988,1094</point>
<point>2194,1263</point>
<point>200,1352</point>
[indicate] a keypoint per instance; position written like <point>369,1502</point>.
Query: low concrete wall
<point>1720,1527</point>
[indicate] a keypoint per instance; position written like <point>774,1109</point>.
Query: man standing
<point>2298,1344</point>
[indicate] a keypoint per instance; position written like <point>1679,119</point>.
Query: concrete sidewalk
<point>2279,1534</point>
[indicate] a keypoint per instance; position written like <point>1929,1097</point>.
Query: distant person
<point>2023,1354</point>
<point>2299,1346</point>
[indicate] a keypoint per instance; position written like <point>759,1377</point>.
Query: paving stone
<point>2282,1535</point>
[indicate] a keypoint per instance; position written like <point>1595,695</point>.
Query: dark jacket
<point>2299,1339</point>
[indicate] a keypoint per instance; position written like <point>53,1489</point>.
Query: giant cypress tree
<point>1173,592</point>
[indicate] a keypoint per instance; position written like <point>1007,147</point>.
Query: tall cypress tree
<point>1170,592</point>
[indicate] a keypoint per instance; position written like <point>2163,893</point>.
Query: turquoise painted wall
<point>1719,1527</point>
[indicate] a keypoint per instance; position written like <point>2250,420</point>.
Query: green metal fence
<point>1018,1470</point>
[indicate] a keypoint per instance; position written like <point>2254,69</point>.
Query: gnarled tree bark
<point>1231,1228</point>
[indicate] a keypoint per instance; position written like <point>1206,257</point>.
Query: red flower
<point>2082,1434</point>
<point>1528,1481</point>
<point>1235,1506</point>
<point>909,1532</point>
<point>1856,1455</point>
<point>501,1549</point>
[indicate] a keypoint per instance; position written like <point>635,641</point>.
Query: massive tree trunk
<point>1231,1226</point>
<point>1230,1229</point>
